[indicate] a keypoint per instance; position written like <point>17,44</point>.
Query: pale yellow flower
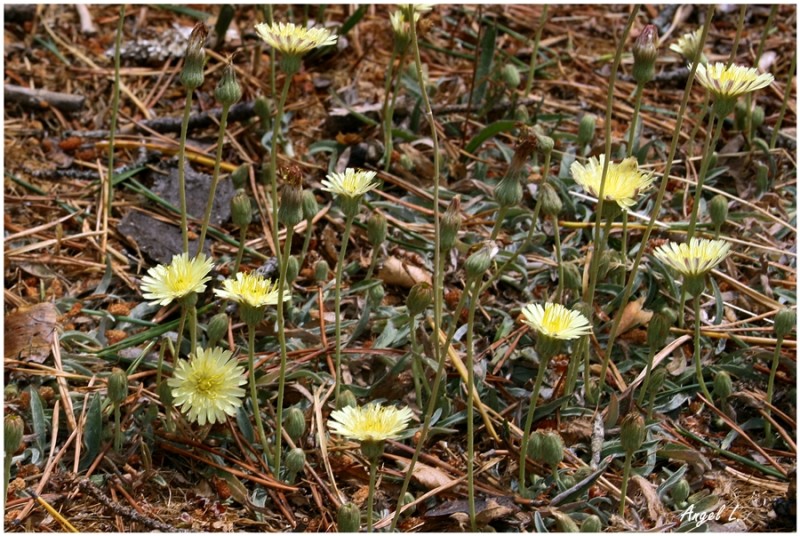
<point>556,321</point>
<point>688,44</point>
<point>183,276</point>
<point>353,183</point>
<point>370,423</point>
<point>694,259</point>
<point>732,81</point>
<point>624,181</point>
<point>251,289</point>
<point>207,386</point>
<point>294,40</point>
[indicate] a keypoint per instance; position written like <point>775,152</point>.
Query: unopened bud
<point>294,423</point>
<point>292,269</point>
<point>572,276</point>
<point>376,229</point>
<point>510,75</point>
<point>310,205</point>
<point>564,523</point>
<point>552,448</point>
<point>757,117</point>
<point>785,322</point>
<point>508,192</point>
<point>551,201</point>
<point>657,379</point>
<point>657,331</point>
<point>592,390</point>
<point>376,294</point>
<point>535,446</point>
<point>408,498</point>
<point>290,212</point>
<point>419,298</point>
<point>762,177</point>
<point>632,432</point>
<point>723,385</point>
<point>228,90</point>
<point>680,491</point>
<point>645,52</point>
<point>295,461</point>
<point>740,115</point>
<point>479,262</point>
<point>348,518</point>
<point>321,270</point>
<point>117,386</point>
<point>718,209</point>
<point>592,523</point>
<point>195,58</point>
<point>241,208</point>
<point>217,328</point>
<point>586,129</point>
<point>13,430</point>
<point>346,398</point>
<point>240,175</point>
<point>451,223</point>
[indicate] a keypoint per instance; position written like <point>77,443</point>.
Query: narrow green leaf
<point>93,431</point>
<point>39,420</point>
<point>495,128</point>
<point>484,65</point>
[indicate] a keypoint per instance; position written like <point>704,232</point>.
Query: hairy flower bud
<point>508,192</point>
<point>740,115</point>
<point>228,91</point>
<point>239,176</point>
<point>195,58</point>
<point>657,331</point>
<point>290,212</point>
<point>535,446</point>
<point>348,518</point>
<point>376,294</point>
<point>295,461</point>
<point>479,262</point>
<point>292,269</point>
<point>13,430</point>
<point>680,491</point>
<point>552,448</point>
<point>419,298</point>
<point>645,52</point>
<point>346,398</point>
<point>757,117</point>
<point>718,209</point>
<point>723,385</point>
<point>117,386</point>
<point>376,229</point>
<point>310,205</point>
<point>592,523</point>
<point>785,322</point>
<point>321,270</point>
<point>657,379</point>
<point>294,423</point>
<point>586,129</point>
<point>572,276</point>
<point>216,329</point>
<point>510,75</point>
<point>551,201</point>
<point>632,432</point>
<point>451,223</point>
<point>241,208</point>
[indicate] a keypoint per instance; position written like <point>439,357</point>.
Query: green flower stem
<point>181,328</point>
<point>623,492</point>
<point>637,104</point>
<point>160,365</point>
<point>526,434</point>
<point>624,250</point>
<point>187,110</point>
<point>416,364</point>
<point>738,36</point>
<point>388,112</point>
<point>697,365</point>
<point>626,294</point>
<point>535,51</point>
<point>767,27</point>
<point>273,159</point>
<point>240,253</point>
<point>557,236</point>
<point>787,93</point>
<point>287,250</point>
<point>223,122</point>
<point>589,297</point>
<point>251,344</point>
<point>473,305</point>
<point>338,301</point>
<point>373,473</point>
<point>114,112</point>
<point>771,387</point>
<point>307,239</point>
<point>711,142</point>
<point>372,261</point>
<point>498,222</point>
<point>646,383</point>
<point>651,402</point>
<point>192,317</point>
<point>117,429</point>
<point>704,109</point>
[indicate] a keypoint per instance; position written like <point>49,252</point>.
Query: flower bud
<point>510,75</point>
<point>217,328</point>
<point>657,379</point>
<point>632,432</point>
<point>740,115</point>
<point>310,205</point>
<point>592,523</point>
<point>479,262</point>
<point>376,294</point>
<point>407,499</point>
<point>292,269</point>
<point>240,175</point>
<point>508,192</point>
<point>680,491</point>
<point>451,223</point>
<point>723,385</point>
<point>657,331</point>
<point>295,461</point>
<point>645,52</point>
<point>586,129</point>
<point>419,298</point>
<point>535,446</point>
<point>757,117</point>
<point>762,177</point>
<point>521,114</point>
<point>551,201</point>
<point>228,90</point>
<point>13,430</point>
<point>290,212</point>
<point>376,229</point>
<point>592,390</point>
<point>117,386</point>
<point>544,143</point>
<point>294,422</point>
<point>348,518</point>
<point>552,448</point>
<point>572,276</point>
<point>195,58</point>
<point>321,269</point>
<point>718,208</point>
<point>785,322</point>
<point>346,398</point>
<point>241,209</point>
<point>564,523</point>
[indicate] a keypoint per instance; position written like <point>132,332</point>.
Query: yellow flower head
<point>694,259</point>
<point>370,423</point>
<point>733,81</point>
<point>294,40</point>
<point>353,183</point>
<point>207,386</point>
<point>624,181</point>
<point>688,44</point>
<point>556,321</point>
<point>182,277</point>
<point>400,23</point>
<point>250,289</point>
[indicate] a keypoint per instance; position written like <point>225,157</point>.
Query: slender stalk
<point>624,250</point>
<point>373,473</point>
<point>697,365</point>
<point>192,317</point>
<point>637,104</point>
<point>416,361</point>
<point>738,36</point>
<point>273,161</point>
<point>646,383</point>
<point>287,250</point>
<point>307,239</point>
<point>526,434</point>
<point>535,51</point>
<point>787,92</point>
<point>181,328</point>
<point>160,365</point>
<point>651,401</point>
<point>473,305</point>
<point>113,127</point>
<point>372,261</point>
<point>623,492</point>
<point>626,294</point>
<point>187,110</point>
<point>771,387</point>
<point>711,142</point>
<point>557,236</point>
<point>251,343</point>
<point>240,253</point>
<point>501,214</point>
<point>387,112</point>
<point>223,122</point>
<point>338,300</point>
<point>772,12</point>
<point>117,429</point>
